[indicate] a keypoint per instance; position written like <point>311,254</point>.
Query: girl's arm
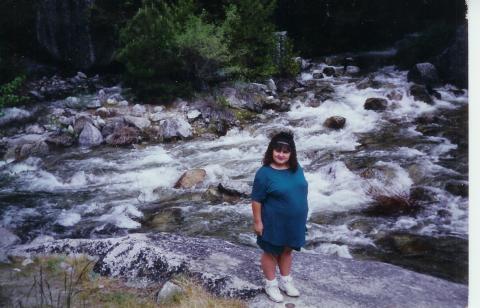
<point>257,217</point>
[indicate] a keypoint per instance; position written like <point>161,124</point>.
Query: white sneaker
<point>286,285</point>
<point>271,288</point>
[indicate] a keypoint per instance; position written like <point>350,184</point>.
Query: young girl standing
<point>280,208</point>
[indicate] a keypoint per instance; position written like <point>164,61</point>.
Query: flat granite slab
<point>232,270</point>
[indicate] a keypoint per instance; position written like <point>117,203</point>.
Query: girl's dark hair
<point>287,137</point>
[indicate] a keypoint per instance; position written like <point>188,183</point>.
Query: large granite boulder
<point>226,269</point>
<point>424,73</point>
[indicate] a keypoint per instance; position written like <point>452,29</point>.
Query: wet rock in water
<point>424,73</point>
<point>90,136</point>
<point>167,292</point>
<point>61,139</point>
<point>427,118</point>
<point>457,188</point>
<point>445,256</point>
<point>221,194</point>
<point>175,128</point>
<point>368,82</point>
<point>375,103</point>
<point>420,93</point>
<point>154,133</point>
<point>452,63</point>
<point>138,122</point>
<point>156,117</point>
<point>7,239</point>
<point>421,194</point>
<point>362,224</point>
<point>80,121</point>
<point>15,116</point>
<point>123,135</point>
<point>317,75</point>
<point>394,95</point>
<point>226,269</point>
<point>34,129</point>
<point>112,124</point>
<point>329,71</point>
<point>392,205</point>
<point>191,178</point>
<point>286,85</point>
<point>335,122</point>
<point>167,220</point>
<point>38,149</point>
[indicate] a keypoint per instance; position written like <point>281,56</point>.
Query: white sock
<point>271,282</point>
<point>285,278</point>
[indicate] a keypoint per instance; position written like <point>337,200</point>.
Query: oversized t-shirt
<point>283,196</point>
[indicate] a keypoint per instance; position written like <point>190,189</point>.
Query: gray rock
<point>123,135</point>
<point>375,103</point>
<point>226,269</point>
<point>81,75</point>
<point>420,93</point>
<point>38,149</point>
<point>395,95</point>
<point>138,110</point>
<point>73,102</point>
<point>14,116</point>
<point>61,139</point>
<point>156,117</point>
<point>368,82</point>
<point>317,75</point>
<point>271,85</point>
<point>175,127</point>
<point>90,136</point>
<point>34,129</point>
<point>96,103</point>
<point>424,73</point>
<point>79,122</point>
<point>335,122</point>
<point>168,291</point>
<point>7,239</point>
<point>329,71</point>
<point>193,114</point>
<point>191,178</point>
<point>138,122</point>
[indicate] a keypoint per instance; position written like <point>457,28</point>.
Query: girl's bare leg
<point>285,262</point>
<point>269,263</point>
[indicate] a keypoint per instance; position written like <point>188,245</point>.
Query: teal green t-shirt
<point>283,196</point>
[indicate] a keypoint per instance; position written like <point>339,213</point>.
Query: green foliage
<point>9,93</point>
<point>251,37</point>
<point>425,46</point>
<point>166,48</point>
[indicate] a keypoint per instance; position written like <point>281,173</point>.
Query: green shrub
<point>167,48</point>
<point>251,39</point>
<point>9,93</point>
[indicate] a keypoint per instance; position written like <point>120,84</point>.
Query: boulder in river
<point>424,73</point>
<point>457,188</point>
<point>191,178</point>
<point>138,122</point>
<point>335,122</point>
<point>90,136</point>
<point>386,205</point>
<point>61,139</point>
<point>375,103</point>
<point>123,135</point>
<point>420,93</point>
<point>15,116</point>
<point>329,71</point>
<point>175,128</point>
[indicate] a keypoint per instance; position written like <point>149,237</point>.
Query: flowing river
<point>105,192</point>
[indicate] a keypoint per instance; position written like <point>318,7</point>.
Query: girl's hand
<point>258,228</point>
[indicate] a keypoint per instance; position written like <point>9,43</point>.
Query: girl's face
<point>281,156</point>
